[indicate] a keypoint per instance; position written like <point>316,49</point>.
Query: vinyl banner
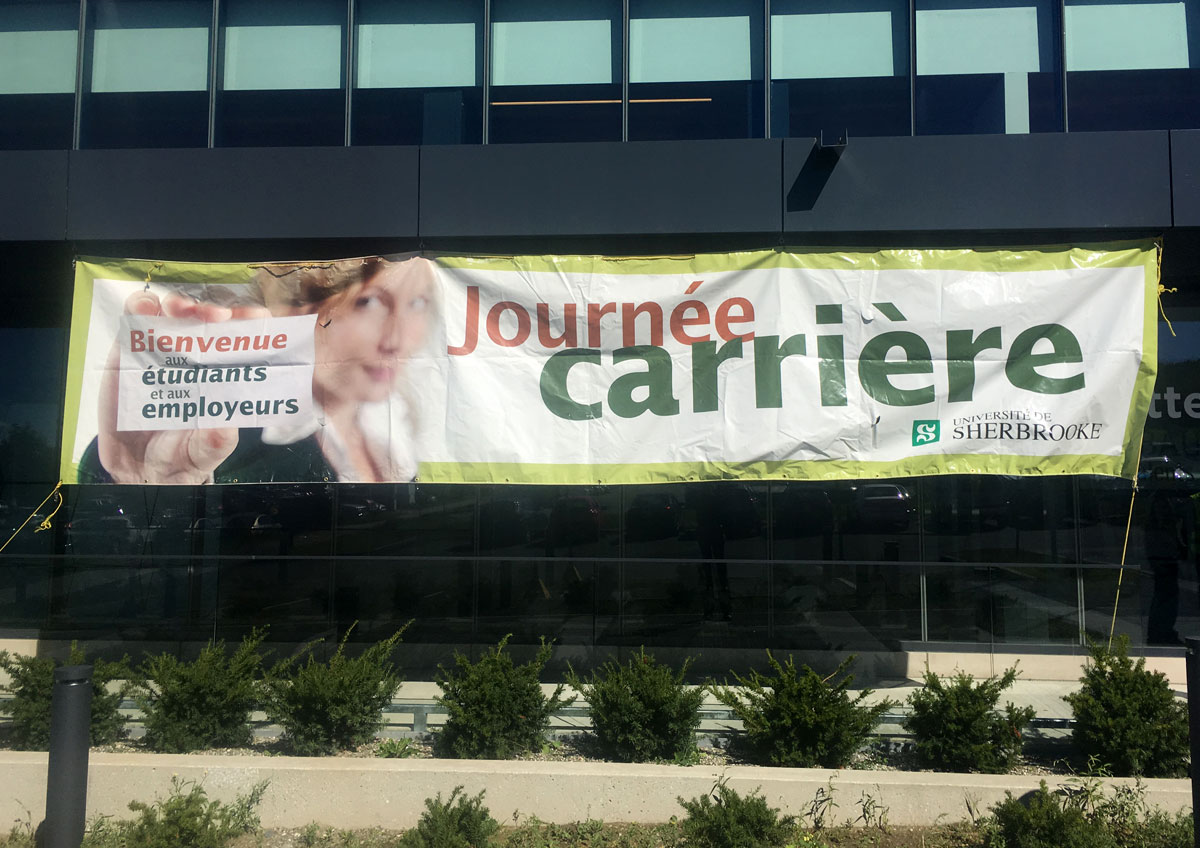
<point>770,364</point>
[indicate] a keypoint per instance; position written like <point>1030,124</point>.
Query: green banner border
<point>686,472</point>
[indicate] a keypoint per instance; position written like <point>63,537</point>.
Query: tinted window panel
<point>419,75</point>
<point>282,76</point>
<point>38,45</point>
<point>555,71</point>
<point>987,66</point>
<point>695,70</point>
<point>147,78</point>
<point>1132,65</point>
<point>839,66</point>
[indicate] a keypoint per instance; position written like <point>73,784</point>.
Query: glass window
<point>977,518</point>
<point>1171,445</point>
<point>405,520</point>
<point>282,80</point>
<point>283,57</point>
<point>848,607</point>
<point>37,48</point>
<point>30,404</point>
<point>555,71</point>
<point>1132,65</point>
<point>146,82</point>
<point>695,69</point>
<point>696,605</point>
<point>987,66</point>
<point>838,67</point>
<point>38,45</point>
<point>418,72</point>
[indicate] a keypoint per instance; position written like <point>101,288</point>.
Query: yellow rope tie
<point>1161,291</point>
<point>45,524</point>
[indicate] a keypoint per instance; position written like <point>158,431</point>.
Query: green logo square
<point>926,432</point>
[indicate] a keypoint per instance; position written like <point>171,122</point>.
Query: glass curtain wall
<point>988,66</point>
<point>153,73</point>
<point>871,566</point>
<point>282,80</point>
<point>1133,64</point>
<point>840,66</point>
<point>418,75</point>
<point>555,71</point>
<point>38,52</point>
<point>146,74</point>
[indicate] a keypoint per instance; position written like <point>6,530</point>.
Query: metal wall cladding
<point>1052,181</point>
<point>786,189</point>
<point>232,193</point>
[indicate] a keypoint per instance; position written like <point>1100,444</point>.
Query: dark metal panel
<point>601,188</point>
<point>33,197</point>
<point>1185,177</point>
<point>321,192</point>
<point>1052,181</point>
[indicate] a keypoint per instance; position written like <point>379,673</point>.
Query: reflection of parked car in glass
<point>883,505</point>
<point>573,520</point>
<point>652,515</point>
<point>108,534</point>
<point>264,524</point>
<point>1161,467</point>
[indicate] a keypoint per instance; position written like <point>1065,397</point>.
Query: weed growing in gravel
<point>396,749</point>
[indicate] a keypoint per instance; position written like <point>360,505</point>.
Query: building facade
<point>252,130</point>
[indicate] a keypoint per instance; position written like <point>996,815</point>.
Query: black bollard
<point>1193,688</point>
<point>67,771</point>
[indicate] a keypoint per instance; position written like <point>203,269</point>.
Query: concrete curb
<point>360,793</point>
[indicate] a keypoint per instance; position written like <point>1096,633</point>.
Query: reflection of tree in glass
<point>26,456</point>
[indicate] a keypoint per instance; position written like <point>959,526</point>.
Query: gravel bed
<point>884,755</point>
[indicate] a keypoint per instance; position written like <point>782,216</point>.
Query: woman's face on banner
<point>365,334</point>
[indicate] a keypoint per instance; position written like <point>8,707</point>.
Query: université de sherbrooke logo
<point>926,432</point>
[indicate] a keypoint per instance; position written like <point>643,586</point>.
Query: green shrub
<point>32,685</point>
<point>205,703</point>
<point>1041,820</point>
<point>800,719</point>
<point>458,822</point>
<point>642,710</point>
<point>1128,718</point>
<point>1080,813</point>
<point>185,818</point>
<point>335,705</point>
<point>725,819</point>
<point>494,709</point>
<point>957,727</point>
